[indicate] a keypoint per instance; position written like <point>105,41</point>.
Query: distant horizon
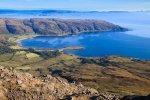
<point>78,5</point>
<point>76,10</point>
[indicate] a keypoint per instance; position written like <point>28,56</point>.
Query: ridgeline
<point>55,27</point>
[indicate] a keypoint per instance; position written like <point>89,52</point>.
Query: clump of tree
<point>6,49</point>
<point>46,54</point>
<point>57,72</point>
<point>99,61</point>
<point>87,60</point>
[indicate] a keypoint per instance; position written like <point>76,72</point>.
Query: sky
<point>84,5</point>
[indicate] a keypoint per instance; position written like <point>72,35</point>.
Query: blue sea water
<point>135,43</point>
<point>96,44</point>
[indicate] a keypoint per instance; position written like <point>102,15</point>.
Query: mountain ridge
<point>55,27</point>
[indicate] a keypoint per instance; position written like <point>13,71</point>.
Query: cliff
<point>54,27</point>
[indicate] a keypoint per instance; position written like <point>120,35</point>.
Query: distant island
<point>55,27</point>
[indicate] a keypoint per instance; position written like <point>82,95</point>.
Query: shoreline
<point>20,38</point>
<point>18,41</point>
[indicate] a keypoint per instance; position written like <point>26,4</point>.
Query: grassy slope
<point>121,77</point>
<point>116,75</point>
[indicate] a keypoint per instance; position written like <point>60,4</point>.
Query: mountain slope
<point>54,27</point>
<point>15,85</point>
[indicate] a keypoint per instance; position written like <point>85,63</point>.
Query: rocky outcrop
<point>56,27</point>
<point>15,85</point>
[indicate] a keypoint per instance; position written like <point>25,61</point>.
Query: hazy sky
<point>96,5</point>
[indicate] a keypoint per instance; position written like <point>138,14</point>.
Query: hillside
<point>112,77</point>
<point>118,75</point>
<point>56,27</point>
<point>15,85</point>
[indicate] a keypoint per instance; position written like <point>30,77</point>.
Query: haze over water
<point>135,43</point>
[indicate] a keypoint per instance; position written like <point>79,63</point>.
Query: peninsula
<point>55,27</point>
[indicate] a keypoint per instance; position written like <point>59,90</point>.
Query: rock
<point>19,82</point>
<point>22,86</point>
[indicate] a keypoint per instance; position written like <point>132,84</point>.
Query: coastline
<point>18,41</point>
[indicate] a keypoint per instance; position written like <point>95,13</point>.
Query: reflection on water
<point>96,44</point>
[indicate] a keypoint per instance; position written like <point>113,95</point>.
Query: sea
<point>134,43</point>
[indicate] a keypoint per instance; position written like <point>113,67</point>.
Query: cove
<point>95,44</point>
